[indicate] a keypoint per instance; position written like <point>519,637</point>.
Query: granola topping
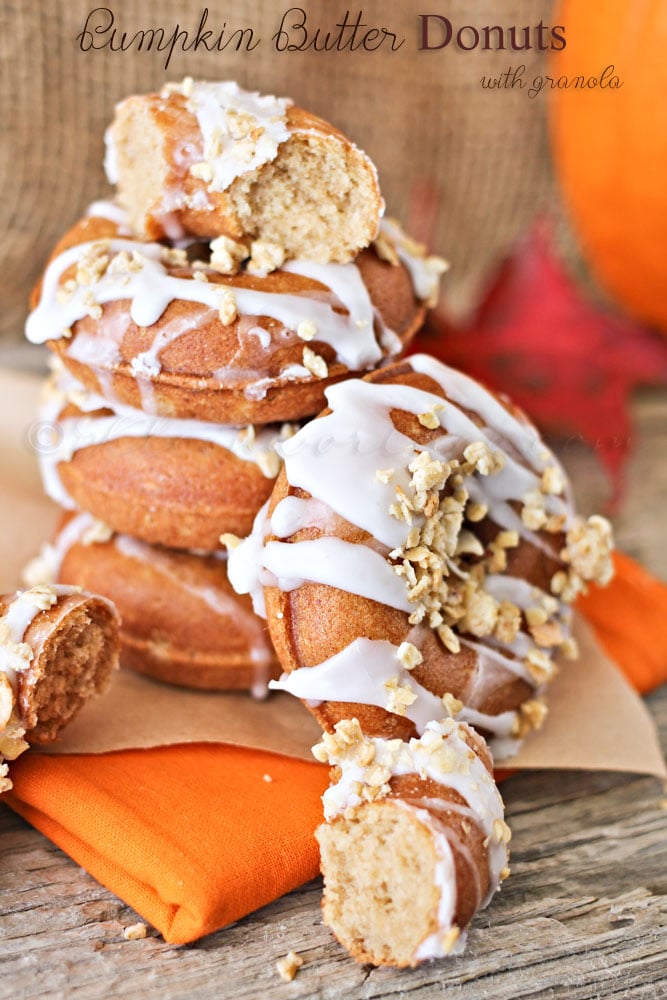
<point>289,966</point>
<point>448,512</point>
<point>315,364</point>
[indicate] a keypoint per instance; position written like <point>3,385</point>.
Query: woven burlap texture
<point>465,166</point>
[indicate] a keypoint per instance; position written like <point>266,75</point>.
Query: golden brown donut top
<point>125,315</point>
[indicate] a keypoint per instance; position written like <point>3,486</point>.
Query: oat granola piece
<point>289,966</point>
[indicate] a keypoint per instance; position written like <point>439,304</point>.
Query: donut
<point>179,483</point>
<point>152,327</point>
<point>417,558</point>
<point>414,841</point>
<point>58,647</point>
<point>211,159</point>
<point>181,622</point>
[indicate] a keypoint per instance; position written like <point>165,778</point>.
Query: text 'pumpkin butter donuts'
<point>58,647</point>
<point>181,622</point>
<point>158,329</point>
<point>211,159</point>
<point>166,481</point>
<point>417,557</point>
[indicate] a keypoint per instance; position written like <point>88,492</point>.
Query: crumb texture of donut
<point>380,895</point>
<point>317,200</point>
<point>73,661</point>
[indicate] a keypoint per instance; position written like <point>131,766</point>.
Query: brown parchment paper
<point>595,722</point>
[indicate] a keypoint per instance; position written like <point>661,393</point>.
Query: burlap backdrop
<point>469,164</point>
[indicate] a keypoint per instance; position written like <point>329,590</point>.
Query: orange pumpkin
<point>610,146</point>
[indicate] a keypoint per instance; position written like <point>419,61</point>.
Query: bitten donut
<point>154,328</point>
<point>414,841</point>
<point>58,647</point>
<point>212,159</point>
<point>166,481</point>
<point>181,621</point>
<point>417,557</point>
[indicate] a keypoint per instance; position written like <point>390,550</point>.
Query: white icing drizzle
<point>424,271</point>
<point>76,433</point>
<point>503,428</point>
<point>346,283</point>
<point>294,513</point>
<point>445,879</point>
<point>45,568</point>
<point>513,588</point>
<point>151,289</point>
<point>489,656</point>
<point>502,744</point>
<point>112,211</point>
<point>148,362</point>
<point>244,567</point>
<point>336,456</point>
<point>228,151</point>
<point>331,561</point>
<point>359,674</point>
<point>102,354</point>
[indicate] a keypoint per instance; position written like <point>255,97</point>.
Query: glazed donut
<point>58,647</point>
<point>414,841</point>
<point>178,483</point>
<point>212,159</point>
<point>415,560</point>
<point>181,622</point>
<point>146,326</point>
<point>417,557</point>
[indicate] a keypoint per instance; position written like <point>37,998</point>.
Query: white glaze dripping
<point>151,289</point>
<point>331,561</point>
<point>424,271</point>
<point>216,106</point>
<point>359,674</point>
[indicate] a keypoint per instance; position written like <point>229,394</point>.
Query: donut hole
<point>380,894</point>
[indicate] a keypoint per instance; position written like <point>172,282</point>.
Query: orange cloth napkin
<point>630,621</point>
<point>194,837</point>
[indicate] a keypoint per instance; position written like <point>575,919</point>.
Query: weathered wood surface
<point>583,916</point>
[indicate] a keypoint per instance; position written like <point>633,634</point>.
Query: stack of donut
<point>414,557</point>
<point>195,322</point>
<point>416,562</point>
